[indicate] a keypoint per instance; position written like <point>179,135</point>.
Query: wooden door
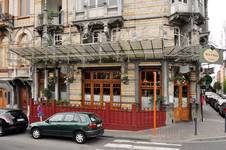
<point>3,100</point>
<point>181,103</point>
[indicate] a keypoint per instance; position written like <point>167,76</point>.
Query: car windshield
<point>2,111</point>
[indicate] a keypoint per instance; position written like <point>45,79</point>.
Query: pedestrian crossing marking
<point>136,147</point>
<point>145,143</point>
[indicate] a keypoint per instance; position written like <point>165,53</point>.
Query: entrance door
<point>181,103</point>
<point>3,100</point>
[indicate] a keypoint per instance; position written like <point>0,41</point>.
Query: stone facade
<point>133,20</point>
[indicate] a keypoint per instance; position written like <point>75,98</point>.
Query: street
<point>24,141</point>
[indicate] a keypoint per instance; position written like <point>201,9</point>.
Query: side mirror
<point>47,121</point>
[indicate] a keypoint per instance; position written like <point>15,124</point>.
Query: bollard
<point>195,120</point>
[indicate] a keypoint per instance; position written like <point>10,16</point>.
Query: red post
<point>53,107</point>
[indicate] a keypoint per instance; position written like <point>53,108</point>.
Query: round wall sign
<point>211,55</point>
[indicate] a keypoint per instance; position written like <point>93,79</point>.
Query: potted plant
<point>179,79</point>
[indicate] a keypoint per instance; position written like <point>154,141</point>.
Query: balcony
<point>6,20</point>
<point>15,72</point>
<point>104,10</point>
<point>54,21</point>
<point>182,11</point>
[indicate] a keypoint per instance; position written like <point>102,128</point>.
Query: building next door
<point>181,102</point>
<point>3,99</point>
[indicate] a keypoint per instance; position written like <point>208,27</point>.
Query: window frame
<point>95,83</point>
<point>143,86</point>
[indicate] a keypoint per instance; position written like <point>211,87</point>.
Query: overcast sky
<point>217,16</point>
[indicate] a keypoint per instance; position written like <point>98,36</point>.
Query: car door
<point>52,126</point>
<point>69,124</point>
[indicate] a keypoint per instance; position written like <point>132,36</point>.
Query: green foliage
<point>65,102</point>
<point>224,89</point>
<point>47,93</point>
<point>217,85</point>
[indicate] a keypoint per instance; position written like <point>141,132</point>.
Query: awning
<point>131,49</point>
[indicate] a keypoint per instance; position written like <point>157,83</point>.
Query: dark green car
<point>78,125</point>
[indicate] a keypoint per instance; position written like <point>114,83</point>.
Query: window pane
<point>79,5</point>
<point>87,94</point>
<point>116,94</point>
<point>28,7</point>
<point>149,76</point>
<point>116,75</point>
<point>56,118</point>
<point>101,2</point>
<point>147,98</point>
<point>92,3</point>
<point>103,75</point>
<point>84,118</point>
<point>0,7</point>
<point>22,7</point>
<point>185,92</point>
<point>69,117</point>
<point>87,75</point>
<point>96,94</point>
<point>106,96</point>
<point>112,2</point>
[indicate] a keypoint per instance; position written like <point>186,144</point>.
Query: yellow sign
<point>211,55</point>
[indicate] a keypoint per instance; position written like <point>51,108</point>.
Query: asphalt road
<point>24,141</point>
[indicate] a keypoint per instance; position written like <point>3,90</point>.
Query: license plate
<point>21,119</point>
<point>99,125</point>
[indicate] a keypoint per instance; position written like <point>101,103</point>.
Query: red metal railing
<point>113,119</point>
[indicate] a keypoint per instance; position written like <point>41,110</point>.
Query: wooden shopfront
<point>100,87</point>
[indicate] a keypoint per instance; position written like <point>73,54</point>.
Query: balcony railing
<point>179,7</point>
<point>101,11</point>
<point>54,18</point>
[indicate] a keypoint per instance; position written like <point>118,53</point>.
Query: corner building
<point>93,52</point>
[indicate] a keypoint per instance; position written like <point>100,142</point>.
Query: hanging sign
<point>211,56</point>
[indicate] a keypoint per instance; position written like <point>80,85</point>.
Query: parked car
<point>222,106</point>
<point>78,125</point>
<point>12,120</point>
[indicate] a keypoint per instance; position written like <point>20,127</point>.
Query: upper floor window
<point>80,5</point>
<point>58,39</point>
<point>24,7</point>
<point>112,2</point>
<point>96,3</point>
<point>1,8</point>
<point>115,33</point>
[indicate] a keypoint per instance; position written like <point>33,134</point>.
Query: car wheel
<point>2,132</point>
<point>80,137</point>
<point>36,133</point>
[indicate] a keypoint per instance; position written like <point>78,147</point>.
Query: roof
<point>131,49</point>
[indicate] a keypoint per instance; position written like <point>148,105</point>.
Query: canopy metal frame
<point>131,49</point>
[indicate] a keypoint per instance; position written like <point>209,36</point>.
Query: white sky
<point>217,16</point>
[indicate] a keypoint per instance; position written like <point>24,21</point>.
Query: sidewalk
<point>211,128</point>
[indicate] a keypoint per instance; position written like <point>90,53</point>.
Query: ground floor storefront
<point>121,87</point>
<point>118,74</point>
